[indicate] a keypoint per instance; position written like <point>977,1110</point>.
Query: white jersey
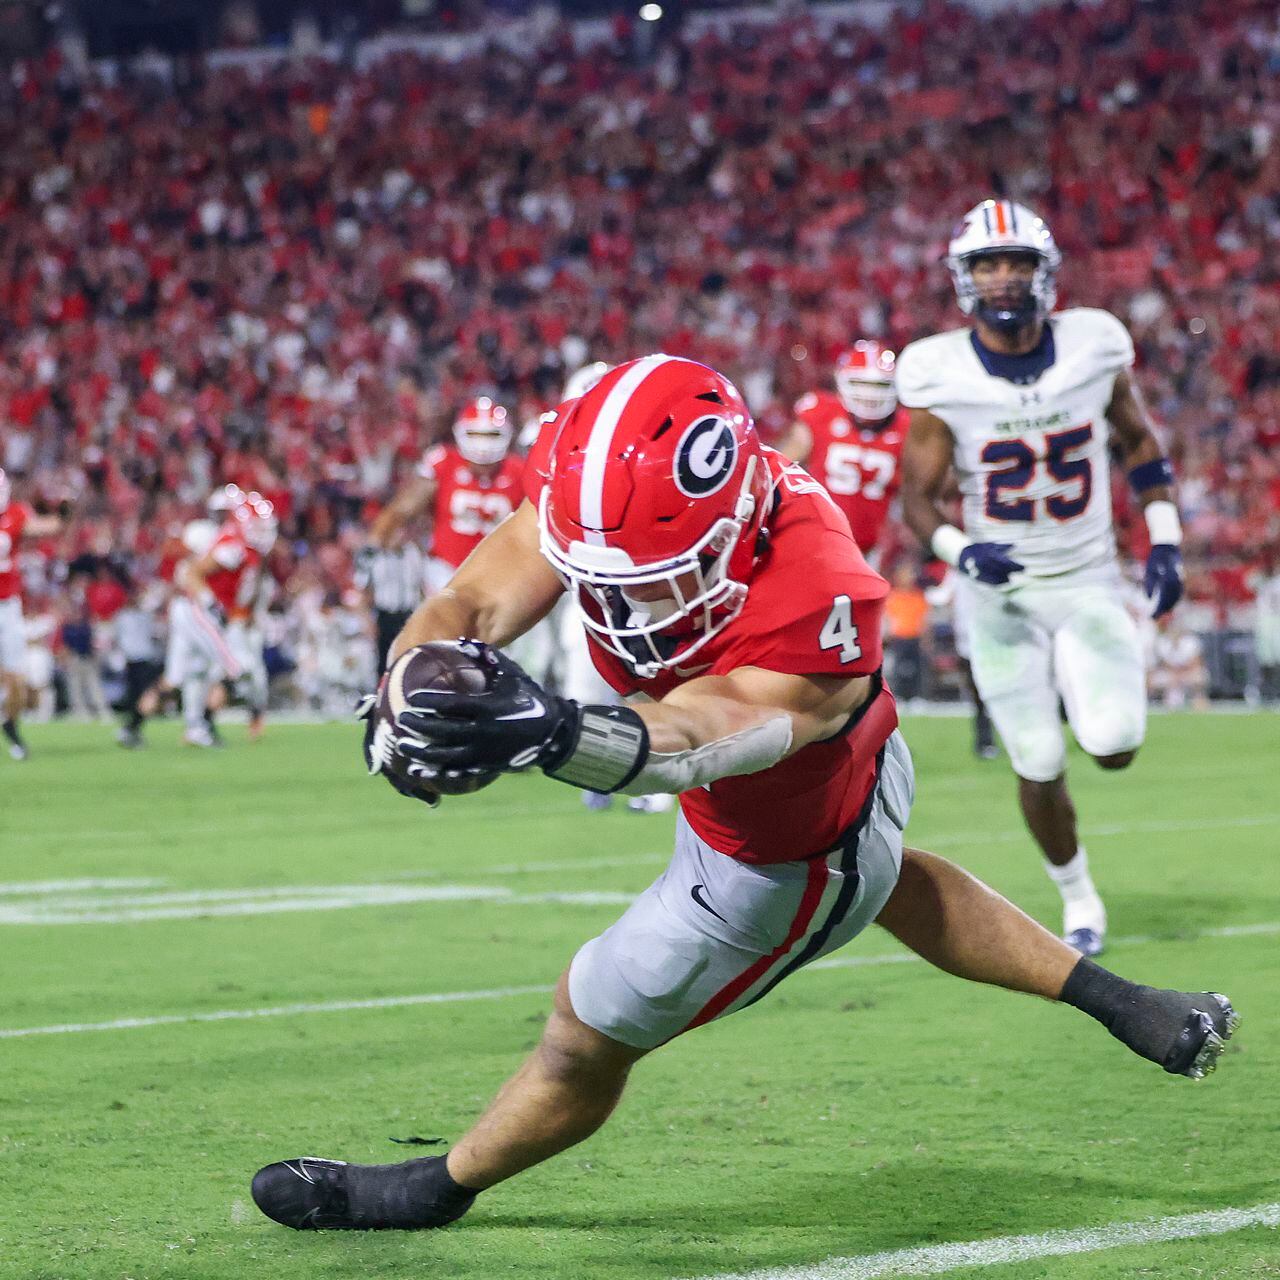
<point>1032,460</point>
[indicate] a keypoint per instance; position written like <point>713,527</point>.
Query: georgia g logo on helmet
<point>705,457</point>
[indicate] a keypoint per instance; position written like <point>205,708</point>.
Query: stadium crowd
<point>290,282</point>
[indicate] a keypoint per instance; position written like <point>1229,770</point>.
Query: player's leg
<point>564,1091</point>
<point>13,685</point>
<point>958,924</point>
<point>1100,670</point>
<point>1012,656</point>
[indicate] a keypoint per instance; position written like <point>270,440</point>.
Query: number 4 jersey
<point>1031,457</point>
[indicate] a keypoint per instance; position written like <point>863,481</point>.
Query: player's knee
<point>1117,760</point>
<point>1037,755</point>
<point>573,1053</point>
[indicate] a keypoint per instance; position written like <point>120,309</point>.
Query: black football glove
<point>382,755</point>
<point>515,724</point>
<point>1162,581</point>
<point>989,562</point>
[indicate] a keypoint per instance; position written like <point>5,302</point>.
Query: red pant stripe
<point>814,888</point>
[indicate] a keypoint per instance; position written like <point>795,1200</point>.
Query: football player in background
<point>723,585</point>
<point>469,487</point>
<point>851,441</point>
<point>1026,406</point>
<point>17,520</point>
<point>210,586</point>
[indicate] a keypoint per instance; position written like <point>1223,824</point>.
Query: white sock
<point>195,693</point>
<point>1081,906</point>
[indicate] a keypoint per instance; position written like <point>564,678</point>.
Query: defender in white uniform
<point>1026,408</point>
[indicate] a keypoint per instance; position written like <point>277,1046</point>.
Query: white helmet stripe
<point>591,499</point>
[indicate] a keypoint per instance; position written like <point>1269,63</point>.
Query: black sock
<point>10,728</point>
<point>1099,992</point>
<point>133,721</point>
<point>416,1193</point>
<point>1161,1026</point>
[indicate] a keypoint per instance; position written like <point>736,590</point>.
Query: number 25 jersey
<point>1031,458</point>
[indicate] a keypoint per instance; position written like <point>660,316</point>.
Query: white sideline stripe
<point>499,993</point>
<point>256,902</point>
<point>938,1259</point>
<point>20,888</point>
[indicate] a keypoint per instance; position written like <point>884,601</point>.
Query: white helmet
<point>227,498</point>
<point>996,226</point>
<point>581,380</point>
<point>482,432</point>
<point>864,381</point>
<point>6,490</point>
<point>256,518</point>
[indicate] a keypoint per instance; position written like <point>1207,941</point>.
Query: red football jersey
<point>234,581</point>
<point>859,467</point>
<point>813,608</point>
<point>13,520</point>
<point>468,505</point>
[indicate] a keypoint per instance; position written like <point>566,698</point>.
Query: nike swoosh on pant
<point>696,895</point>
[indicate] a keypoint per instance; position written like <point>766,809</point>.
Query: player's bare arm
<point>412,501</point>
<point>926,465</point>
<point>501,590</point>
<point>44,526</point>
<point>1151,476</point>
<point>713,709</point>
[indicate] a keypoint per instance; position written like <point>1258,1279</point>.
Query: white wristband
<point>948,542</point>
<point>1163,524</point>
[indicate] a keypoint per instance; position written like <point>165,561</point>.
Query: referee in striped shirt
<point>393,575</point>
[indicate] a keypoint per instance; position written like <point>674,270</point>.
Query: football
<point>444,665</point>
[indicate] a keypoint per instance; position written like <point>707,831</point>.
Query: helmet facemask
<point>705,590</point>
<point>866,400</point>
<point>1037,298</point>
<point>483,433</point>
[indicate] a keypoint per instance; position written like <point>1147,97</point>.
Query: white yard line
<point>25,888</point>
<point>199,903</point>
<point>500,993</point>
<point>275,1011</point>
<point>939,1259</point>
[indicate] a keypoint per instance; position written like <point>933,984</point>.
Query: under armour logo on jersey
<point>705,457</point>
<point>1030,397</point>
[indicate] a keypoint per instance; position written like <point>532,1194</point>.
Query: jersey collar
<point>1020,370</point>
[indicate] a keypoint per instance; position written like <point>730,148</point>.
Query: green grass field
<point>861,1108</point>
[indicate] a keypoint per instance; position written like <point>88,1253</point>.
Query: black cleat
<point>1203,1037</point>
<point>312,1194</point>
<point>307,1194</point>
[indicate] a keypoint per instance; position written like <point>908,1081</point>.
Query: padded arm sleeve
<point>747,751</point>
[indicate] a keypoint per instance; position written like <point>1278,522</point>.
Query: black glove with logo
<point>512,725</point>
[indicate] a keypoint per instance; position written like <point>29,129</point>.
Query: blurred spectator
<point>906,612</point>
<point>1178,676</point>
<point>290,278</point>
<point>1266,587</point>
<point>83,672</point>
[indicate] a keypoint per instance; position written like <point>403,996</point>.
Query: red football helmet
<point>864,381</point>
<point>656,480</point>
<point>483,432</point>
<point>255,517</point>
